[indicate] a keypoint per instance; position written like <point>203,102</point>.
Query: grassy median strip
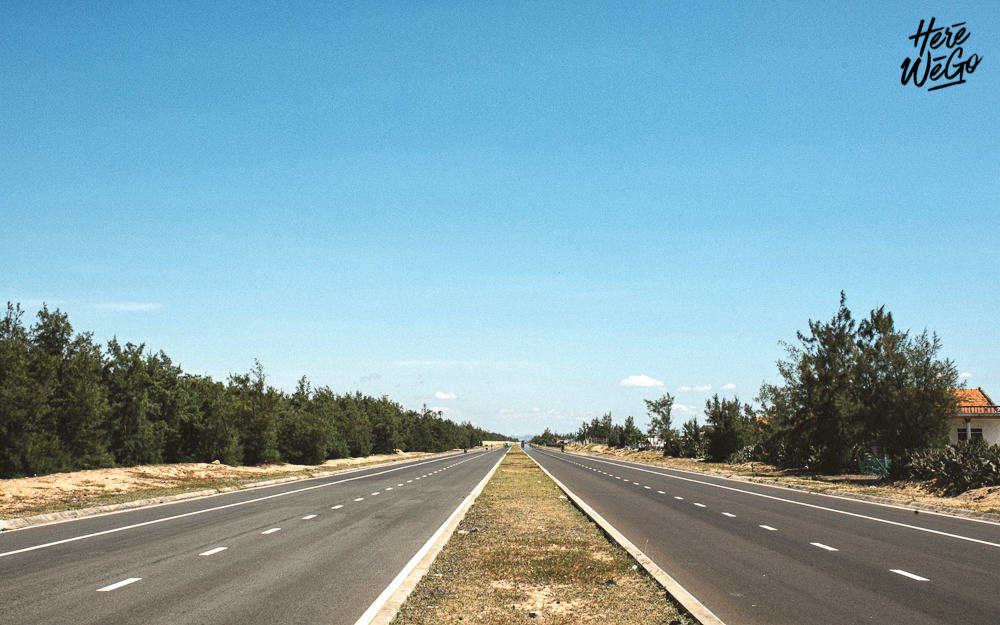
<point>523,553</point>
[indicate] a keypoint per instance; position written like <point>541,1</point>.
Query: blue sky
<point>500,211</point>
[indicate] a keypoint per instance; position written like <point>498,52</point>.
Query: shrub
<point>957,468</point>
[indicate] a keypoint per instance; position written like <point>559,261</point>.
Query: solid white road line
<point>824,508</point>
<point>203,510</point>
<point>768,528</point>
<point>124,582</point>
<point>375,609</point>
<point>212,552</point>
<point>826,547</point>
<point>308,516</point>
<point>272,530</point>
<point>690,602</point>
<point>910,575</point>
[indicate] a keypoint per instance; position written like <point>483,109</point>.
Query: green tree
<point>631,435</point>
<point>852,389</point>
<point>256,405</point>
<point>733,427</point>
<point>904,388</point>
<point>81,406</point>
<point>304,436</point>
<point>819,424</point>
<point>659,423</point>
<point>692,439</point>
<point>208,427</point>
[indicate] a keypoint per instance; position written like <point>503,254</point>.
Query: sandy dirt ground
<point>28,495</point>
<point>978,500</point>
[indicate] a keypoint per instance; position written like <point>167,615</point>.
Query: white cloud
<point>728,387</point>
<point>965,374</point>
<point>698,387</point>
<point>443,395</point>
<point>684,409</point>
<point>640,380</point>
<point>127,306</point>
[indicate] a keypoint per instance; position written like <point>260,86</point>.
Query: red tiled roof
<point>975,403</point>
<point>971,397</point>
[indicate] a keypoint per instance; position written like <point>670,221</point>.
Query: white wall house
<point>977,417</point>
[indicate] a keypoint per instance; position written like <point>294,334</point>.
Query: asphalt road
<point>755,554</point>
<point>311,551</point>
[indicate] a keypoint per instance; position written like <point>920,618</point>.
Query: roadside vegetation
<point>67,403</point>
<point>856,397</point>
<point>524,554</point>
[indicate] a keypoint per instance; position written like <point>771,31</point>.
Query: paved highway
<point>757,555</point>
<point>311,551</point>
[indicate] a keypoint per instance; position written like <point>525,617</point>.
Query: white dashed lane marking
<point>729,514</point>
<point>768,528</point>
<point>826,547</point>
<point>700,505</point>
<point>678,498</point>
<point>308,516</point>
<point>661,492</point>
<point>272,530</point>
<point>116,586</point>
<point>337,507</point>
<point>910,575</point>
<point>359,499</point>
<point>212,552</point>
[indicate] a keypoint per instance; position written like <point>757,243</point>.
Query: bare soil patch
<point>981,500</point>
<point>524,554</point>
<point>80,489</point>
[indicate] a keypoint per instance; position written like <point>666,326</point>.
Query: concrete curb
<point>386,612</point>
<point>690,603</point>
<point>79,513</point>
<point>833,492</point>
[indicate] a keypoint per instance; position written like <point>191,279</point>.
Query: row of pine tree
<point>68,403</point>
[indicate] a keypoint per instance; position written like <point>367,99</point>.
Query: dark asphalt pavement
<point>756,555</point>
<point>311,551</point>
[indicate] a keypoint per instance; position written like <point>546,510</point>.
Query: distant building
<point>977,417</point>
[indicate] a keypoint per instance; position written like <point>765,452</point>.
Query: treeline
<point>66,404</point>
<point>603,430</point>
<point>852,391</point>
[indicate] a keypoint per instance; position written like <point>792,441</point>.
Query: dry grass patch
<point>523,554</point>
